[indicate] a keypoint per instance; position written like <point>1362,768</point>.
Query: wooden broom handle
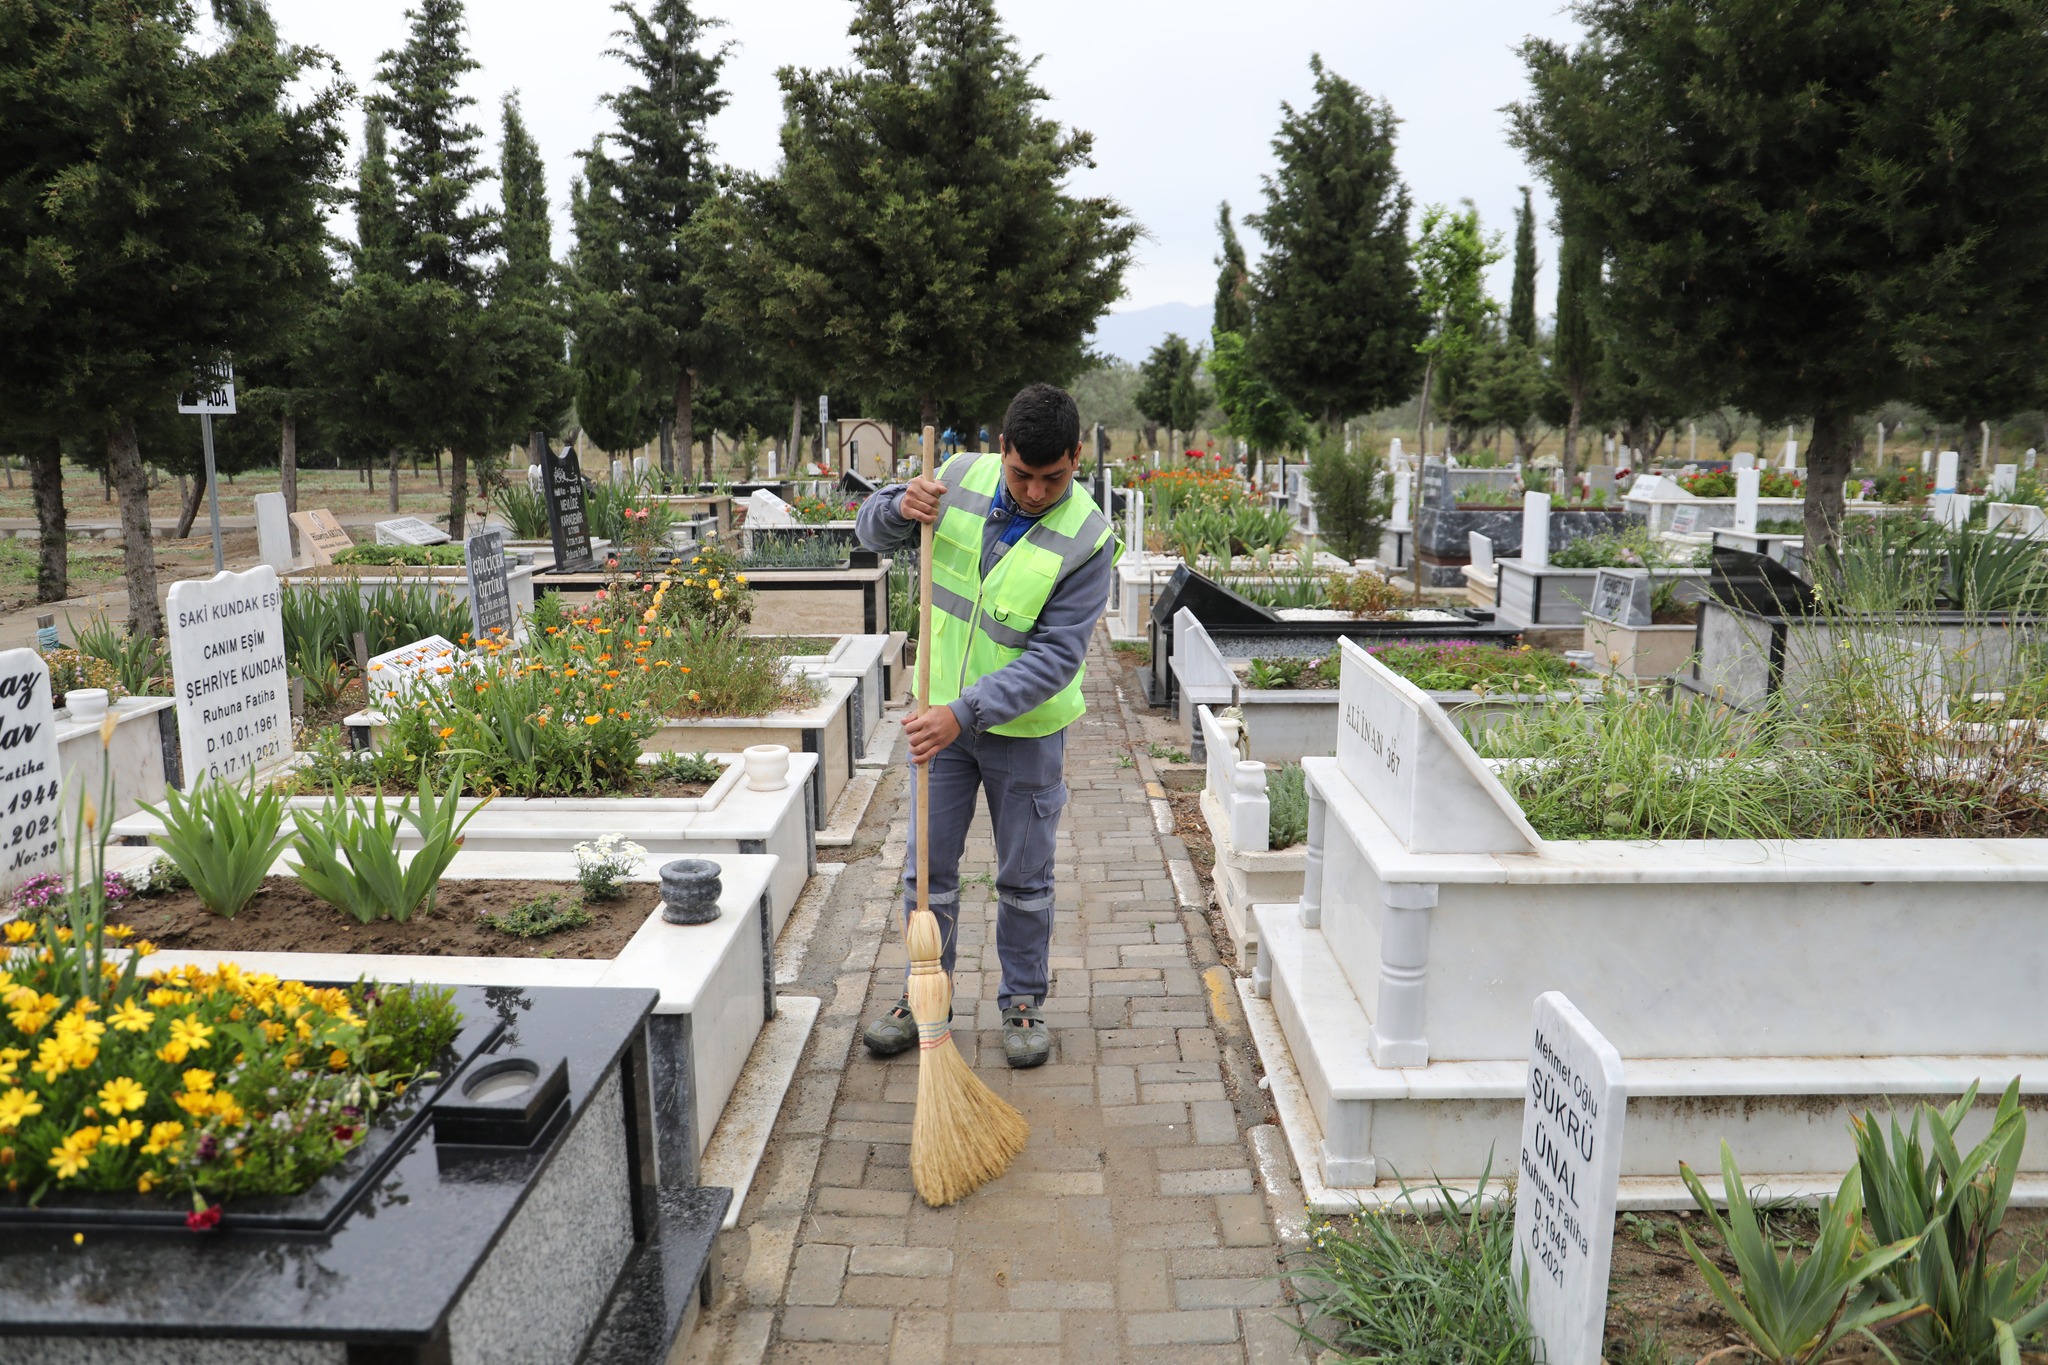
<point>928,461</point>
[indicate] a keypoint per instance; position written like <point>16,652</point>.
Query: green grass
<point>1137,651</point>
<point>1395,1284</point>
<point>805,645</point>
<point>1167,754</point>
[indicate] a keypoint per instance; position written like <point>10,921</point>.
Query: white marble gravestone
<point>1945,471</point>
<point>273,531</point>
<point>1747,483</point>
<point>228,665</point>
<point>1415,770</point>
<point>1569,1169</point>
<point>1684,521</point>
<point>1744,459</point>
<point>1480,549</point>
<point>31,796</point>
<point>410,531</point>
<point>1536,529</point>
<point>2004,478</point>
<point>765,509</point>
<point>1399,520</point>
<point>640,467</point>
<point>1600,479</point>
<point>320,535</point>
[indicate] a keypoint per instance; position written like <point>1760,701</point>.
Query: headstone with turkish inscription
<point>1685,521</point>
<point>490,587</point>
<point>1436,485</point>
<point>1621,597</point>
<point>31,795</point>
<point>228,668</point>
<point>568,519</point>
<point>410,531</point>
<point>1569,1173</point>
<point>320,535</point>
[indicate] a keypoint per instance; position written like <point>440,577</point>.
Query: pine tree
<point>638,275</point>
<point>1163,370</point>
<point>1336,316</point>
<point>1232,311</point>
<point>919,246</point>
<point>1806,207</point>
<point>525,308</point>
<point>160,202</point>
<point>1522,296</point>
<point>442,384</point>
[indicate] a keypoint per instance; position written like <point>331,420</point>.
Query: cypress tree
<point>1158,377</point>
<point>919,245</point>
<point>638,273</point>
<point>1336,317</point>
<point>1522,297</point>
<point>1575,349</point>
<point>525,309</point>
<point>1232,310</point>
<point>441,383</point>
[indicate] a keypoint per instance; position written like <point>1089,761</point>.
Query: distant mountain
<point>1131,336</point>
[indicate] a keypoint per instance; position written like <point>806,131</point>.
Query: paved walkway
<point>1145,1219</point>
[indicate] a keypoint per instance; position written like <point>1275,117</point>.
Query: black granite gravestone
<point>568,519</point>
<point>490,587</point>
<point>1211,602</point>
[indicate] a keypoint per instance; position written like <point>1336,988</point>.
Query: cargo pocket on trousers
<point>1047,802</point>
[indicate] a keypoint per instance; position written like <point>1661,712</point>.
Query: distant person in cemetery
<point>1021,567</point>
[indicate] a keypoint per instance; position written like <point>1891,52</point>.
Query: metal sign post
<point>213,393</point>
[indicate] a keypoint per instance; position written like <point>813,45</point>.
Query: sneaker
<point>895,1031</point>
<point>1026,1041</point>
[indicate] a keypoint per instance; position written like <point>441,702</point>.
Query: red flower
<point>204,1218</point>
<point>343,1133</point>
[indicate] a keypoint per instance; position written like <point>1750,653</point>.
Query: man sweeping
<point>1021,566</point>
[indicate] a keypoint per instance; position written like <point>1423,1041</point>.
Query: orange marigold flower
<point>592,720</point>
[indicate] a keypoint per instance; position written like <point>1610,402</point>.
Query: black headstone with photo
<point>568,518</point>
<point>490,588</point>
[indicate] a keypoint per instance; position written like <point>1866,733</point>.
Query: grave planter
<point>1760,991</point>
<point>732,817</point>
<point>453,581</point>
<point>1444,548</point>
<point>1235,808</point>
<point>1318,639</point>
<point>760,539</point>
<point>581,1244</point>
<point>1638,653</point>
<point>873,662</point>
<point>695,505</point>
<point>1544,595</point>
<point>541,553</point>
<point>824,728</point>
<point>852,599</point>
<point>715,981</point>
<point>142,756</point>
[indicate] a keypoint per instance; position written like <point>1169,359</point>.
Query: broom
<point>964,1134</point>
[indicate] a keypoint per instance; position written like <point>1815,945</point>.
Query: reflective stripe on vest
<point>979,625</point>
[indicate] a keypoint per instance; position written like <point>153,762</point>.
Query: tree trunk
<point>124,466</point>
<point>1829,457</point>
<point>668,447</point>
<point>188,508</point>
<point>1568,468</point>
<point>458,492</point>
<point>46,477</point>
<point>928,415</point>
<point>686,417</point>
<point>392,483</point>
<point>288,461</point>
<point>710,443</point>
<point>1422,411</point>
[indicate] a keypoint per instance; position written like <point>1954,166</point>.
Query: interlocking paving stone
<point>1128,1230</point>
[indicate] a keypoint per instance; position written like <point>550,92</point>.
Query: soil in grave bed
<point>285,917</point>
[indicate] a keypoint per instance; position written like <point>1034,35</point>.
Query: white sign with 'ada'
<point>1570,1170</point>
<point>30,788</point>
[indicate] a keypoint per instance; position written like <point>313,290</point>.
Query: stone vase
<point>86,703</point>
<point>767,766</point>
<point>689,891</point>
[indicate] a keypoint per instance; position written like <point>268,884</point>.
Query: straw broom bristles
<point>964,1134</point>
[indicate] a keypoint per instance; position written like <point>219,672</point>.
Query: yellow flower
<point>592,720</point>
<point>173,1052</point>
<point>16,1105</point>
<point>191,1033</point>
<point>198,1082</point>
<point>122,1133</point>
<point>162,1135</point>
<point>447,730</point>
<point>122,1094</point>
<point>273,1030</point>
<point>337,1059</point>
<point>20,931</point>
<point>198,1106</point>
<point>29,1021</point>
<point>144,1183</point>
<point>230,1113</point>
<point>71,1155</point>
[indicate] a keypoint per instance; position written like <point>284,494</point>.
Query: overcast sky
<point>1183,99</point>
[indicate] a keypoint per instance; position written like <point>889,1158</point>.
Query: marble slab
<point>229,674</point>
<point>32,795</point>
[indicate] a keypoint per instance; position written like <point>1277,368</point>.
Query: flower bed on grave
<point>1743,902</point>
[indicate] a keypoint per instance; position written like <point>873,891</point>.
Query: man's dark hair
<point>1042,424</point>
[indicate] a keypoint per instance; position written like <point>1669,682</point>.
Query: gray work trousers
<point>1025,783</point>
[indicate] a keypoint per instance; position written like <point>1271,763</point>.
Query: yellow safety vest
<point>978,625</point>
